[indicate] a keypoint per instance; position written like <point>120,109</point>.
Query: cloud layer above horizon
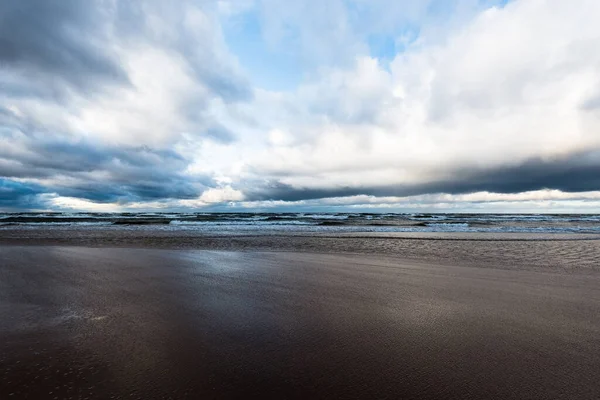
<point>402,105</point>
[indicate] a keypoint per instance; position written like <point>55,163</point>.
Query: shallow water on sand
<point>567,252</point>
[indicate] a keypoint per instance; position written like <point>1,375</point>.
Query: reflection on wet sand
<point>101,322</point>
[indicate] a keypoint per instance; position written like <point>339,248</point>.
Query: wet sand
<point>81,322</point>
<point>578,253</point>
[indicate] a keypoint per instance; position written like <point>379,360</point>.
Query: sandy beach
<point>96,322</point>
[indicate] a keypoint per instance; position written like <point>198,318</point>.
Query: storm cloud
<point>96,172</point>
<point>575,173</point>
<point>16,195</point>
<point>62,40</point>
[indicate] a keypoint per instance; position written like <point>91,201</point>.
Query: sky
<point>272,105</point>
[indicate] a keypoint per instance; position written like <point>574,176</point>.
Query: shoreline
<point>565,253</point>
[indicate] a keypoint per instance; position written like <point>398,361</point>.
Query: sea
<point>310,222</point>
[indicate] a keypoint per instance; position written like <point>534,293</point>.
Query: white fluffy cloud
<point>509,86</point>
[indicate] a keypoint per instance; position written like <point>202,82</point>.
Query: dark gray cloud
<point>578,172</point>
<point>19,195</point>
<point>102,173</point>
<point>57,39</point>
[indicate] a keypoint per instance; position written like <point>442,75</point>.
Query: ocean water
<point>312,222</point>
